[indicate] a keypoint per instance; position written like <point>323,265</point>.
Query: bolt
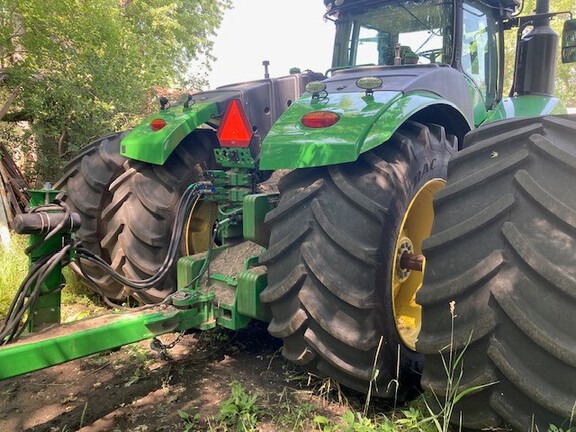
<point>412,261</point>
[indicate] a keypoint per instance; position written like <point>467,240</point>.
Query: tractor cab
<point>464,35</point>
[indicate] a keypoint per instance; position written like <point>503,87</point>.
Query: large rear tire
<point>332,257</point>
<point>502,251</point>
<point>140,217</point>
<point>86,191</point>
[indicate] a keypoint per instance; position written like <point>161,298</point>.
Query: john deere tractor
<point>398,213</point>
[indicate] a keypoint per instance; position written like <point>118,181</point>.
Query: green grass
<point>77,300</point>
<point>13,270</point>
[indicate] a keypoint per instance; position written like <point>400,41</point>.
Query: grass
<point>301,411</point>
<point>77,300</point>
<point>13,270</point>
<point>306,410</point>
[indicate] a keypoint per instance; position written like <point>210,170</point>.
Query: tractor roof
<point>333,5</point>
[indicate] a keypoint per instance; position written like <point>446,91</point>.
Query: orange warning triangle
<point>235,129</point>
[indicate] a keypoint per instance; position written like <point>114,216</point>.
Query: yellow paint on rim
<point>414,229</point>
<point>198,232</point>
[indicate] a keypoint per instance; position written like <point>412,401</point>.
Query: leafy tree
<point>75,69</point>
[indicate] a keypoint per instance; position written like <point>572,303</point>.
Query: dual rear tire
<point>500,284</point>
<point>128,209</point>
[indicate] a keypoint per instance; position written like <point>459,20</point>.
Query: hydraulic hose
<point>186,203</point>
<point>29,291</point>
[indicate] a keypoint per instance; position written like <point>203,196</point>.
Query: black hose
<point>185,204</point>
<point>29,291</point>
<point>27,295</point>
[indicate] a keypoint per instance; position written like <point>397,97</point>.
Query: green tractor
<point>318,204</point>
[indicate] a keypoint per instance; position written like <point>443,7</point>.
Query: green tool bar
<point>82,338</point>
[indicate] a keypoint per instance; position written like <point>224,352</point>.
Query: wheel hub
<point>405,247</point>
<point>409,263</point>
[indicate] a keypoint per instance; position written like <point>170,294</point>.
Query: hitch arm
<point>67,342</point>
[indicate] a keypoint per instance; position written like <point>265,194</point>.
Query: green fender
<point>146,145</point>
<point>366,121</point>
<point>526,106</point>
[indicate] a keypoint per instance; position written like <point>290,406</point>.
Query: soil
<point>135,389</point>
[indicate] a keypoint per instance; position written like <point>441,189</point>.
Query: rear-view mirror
<point>569,42</point>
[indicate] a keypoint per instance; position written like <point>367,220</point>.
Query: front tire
<point>502,255</point>
<point>331,261</point>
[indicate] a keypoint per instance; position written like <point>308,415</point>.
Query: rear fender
<point>365,123</point>
<point>145,144</point>
<point>526,106</point>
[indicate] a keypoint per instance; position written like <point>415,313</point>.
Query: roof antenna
<point>266,63</point>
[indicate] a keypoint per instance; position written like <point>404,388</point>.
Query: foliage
<point>13,270</point>
<point>409,419</point>
<point>78,69</point>
<point>78,301</point>
<point>190,421</point>
<point>240,410</point>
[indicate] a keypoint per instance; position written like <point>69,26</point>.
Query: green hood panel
<point>146,145</point>
<point>526,106</point>
<point>365,123</point>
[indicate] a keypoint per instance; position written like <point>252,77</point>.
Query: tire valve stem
<point>410,261</point>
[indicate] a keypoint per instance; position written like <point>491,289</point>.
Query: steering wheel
<point>432,55</point>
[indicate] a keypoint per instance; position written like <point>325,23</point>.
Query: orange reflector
<point>235,129</point>
<point>157,124</point>
<point>319,119</point>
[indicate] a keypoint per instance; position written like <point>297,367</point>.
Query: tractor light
<point>315,87</point>
<point>368,83</point>
<point>319,119</point>
<point>157,124</point>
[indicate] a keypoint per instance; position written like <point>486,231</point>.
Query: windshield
<point>422,28</point>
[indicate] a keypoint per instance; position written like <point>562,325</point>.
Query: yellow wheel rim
<point>414,229</point>
<point>198,232</point>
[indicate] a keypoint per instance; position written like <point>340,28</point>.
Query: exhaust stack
<point>536,53</point>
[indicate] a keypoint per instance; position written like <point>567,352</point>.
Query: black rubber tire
<point>333,237</point>
<point>140,216</point>
<point>502,249</point>
<point>86,191</point>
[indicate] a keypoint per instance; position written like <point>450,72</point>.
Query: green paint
<point>187,269</point>
<point>237,301</point>
<point>478,102</point>
<point>256,206</point>
<point>91,336</point>
<point>526,106</point>
<point>234,157</point>
<point>251,283</point>
<point>365,123</point>
<point>146,145</point>
<point>48,306</point>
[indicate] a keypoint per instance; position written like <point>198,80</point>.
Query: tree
<point>74,69</point>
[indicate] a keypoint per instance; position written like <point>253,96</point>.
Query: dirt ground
<point>134,389</point>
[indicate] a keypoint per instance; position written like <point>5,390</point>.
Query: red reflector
<point>235,130</point>
<point>320,119</point>
<point>157,124</point>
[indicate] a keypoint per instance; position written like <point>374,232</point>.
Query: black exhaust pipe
<point>536,53</point>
